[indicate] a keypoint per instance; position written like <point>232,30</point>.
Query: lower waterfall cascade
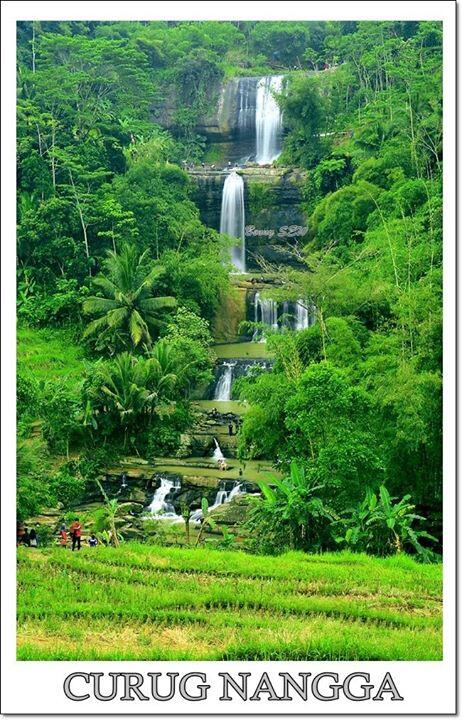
<point>295,316</point>
<point>225,381</point>
<point>223,496</point>
<point>160,507</point>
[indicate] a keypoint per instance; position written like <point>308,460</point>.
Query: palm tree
<point>128,306</point>
<point>130,387</point>
<point>126,389</point>
<point>166,371</point>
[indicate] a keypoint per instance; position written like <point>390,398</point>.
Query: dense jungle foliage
<point>112,253</point>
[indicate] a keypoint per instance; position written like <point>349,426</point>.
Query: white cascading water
<point>160,508</point>
<point>223,496</point>
<point>225,381</point>
<point>304,315</point>
<point>217,454</point>
<point>268,120</point>
<point>286,313</point>
<point>232,218</point>
<point>246,111</point>
<point>301,315</point>
<point>266,313</point>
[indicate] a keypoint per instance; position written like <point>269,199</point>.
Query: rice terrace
<point>229,340</point>
<point>150,603</point>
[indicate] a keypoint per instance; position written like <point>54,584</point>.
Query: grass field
<point>145,602</point>
<point>50,354</point>
<point>224,406</point>
<point>254,350</point>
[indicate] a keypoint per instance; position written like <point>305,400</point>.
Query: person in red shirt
<point>76,533</point>
<point>63,536</point>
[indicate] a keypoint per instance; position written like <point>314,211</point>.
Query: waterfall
<point>217,454</point>
<point>304,315</point>
<point>266,313</point>
<point>286,314</point>
<point>232,218</point>
<point>268,120</point>
<point>160,507</point>
<point>267,310</point>
<point>223,496</point>
<point>301,315</point>
<point>237,490</point>
<point>246,110</point>
<point>225,381</point>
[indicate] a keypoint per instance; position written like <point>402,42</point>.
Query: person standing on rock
<point>230,428</point>
<point>76,533</point>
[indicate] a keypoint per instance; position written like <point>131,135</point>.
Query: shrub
<point>381,526</point>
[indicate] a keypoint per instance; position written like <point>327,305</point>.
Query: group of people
<point>75,531</point>
<point>27,537</point>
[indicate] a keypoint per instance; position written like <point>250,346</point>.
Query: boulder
<point>137,495</point>
<point>234,512</point>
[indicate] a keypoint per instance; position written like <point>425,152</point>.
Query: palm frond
<point>96,305</point>
<point>138,328</point>
<point>95,326</point>
<point>115,318</point>
<point>154,304</point>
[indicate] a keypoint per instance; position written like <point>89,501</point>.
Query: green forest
<point>133,323</point>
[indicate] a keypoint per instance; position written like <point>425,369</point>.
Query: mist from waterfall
<point>232,218</point>
<point>268,120</point>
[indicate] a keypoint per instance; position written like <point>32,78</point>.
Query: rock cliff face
<point>230,120</point>
<point>273,213</point>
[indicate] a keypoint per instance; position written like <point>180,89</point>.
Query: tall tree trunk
<point>53,161</point>
<point>82,220</point>
<point>33,47</point>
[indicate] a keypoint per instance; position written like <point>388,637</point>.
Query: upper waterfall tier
<point>268,120</point>
<point>242,114</point>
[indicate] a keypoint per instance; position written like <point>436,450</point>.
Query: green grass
<point>50,354</point>
<point>144,602</point>
<point>254,470</point>
<point>224,406</point>
<point>253,350</point>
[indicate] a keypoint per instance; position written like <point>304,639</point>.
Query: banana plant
<point>380,525</point>
<point>293,508</point>
<point>111,512</point>
<point>207,520</point>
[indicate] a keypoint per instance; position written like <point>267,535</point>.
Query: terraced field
<point>144,602</point>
